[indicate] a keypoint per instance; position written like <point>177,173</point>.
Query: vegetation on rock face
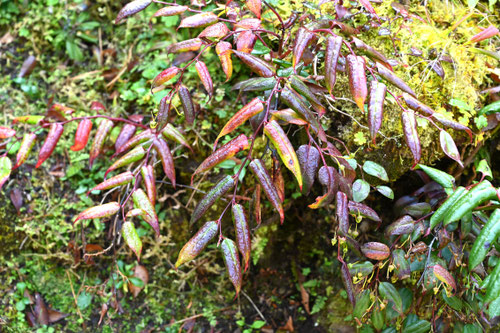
<point>276,103</point>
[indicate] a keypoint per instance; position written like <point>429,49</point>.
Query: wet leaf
<point>132,238</point>
<point>217,30</point>
<point>342,213</point>
<point>246,41</point>
<point>488,32</point>
<point>28,66</point>
<point>98,212</point>
<point>25,148</point>
<point>363,210</point>
<point>232,261</point>
<point>205,77</point>
<point>360,190</point>
<point>304,37</point>
<point>403,225</point>
<point>118,180</point>
<point>221,188</point>
<point>148,176</point>
<point>223,50</point>
<point>449,147</point>
<point>141,201</point>
<point>308,157</point>
<point>50,143</point>
<point>248,111</point>
<point>82,135</point>
<point>484,168</point>
<point>416,105</point>
<point>393,79</point>
<point>137,139</point>
<point>132,8</point>
<point>170,11</point>
<point>41,311</point>
<point>187,104</point>
<point>165,76</point>
<point>142,275</point>
<point>332,52</point>
<point>197,243</point>
<point>31,120</point>
<point>375,250</point>
<point>185,46</point>
<point>412,139</point>
<point>484,241</point>
<point>347,280</point>
<point>376,107</point>
<point>388,292</point>
<point>256,84</point>
<point>102,132</point>
<point>173,134</point>
<point>5,169</point>
<point>242,231</point>
<point>223,153</point>
<point>386,191</point>
<point>444,276</point>
<point>440,177</point>
<point>257,65</point>
<point>132,156</point>
<point>375,170</point>
<point>304,90</point>
<point>198,20</point>
<point>357,80</point>
<point>285,149</point>
<point>260,172</point>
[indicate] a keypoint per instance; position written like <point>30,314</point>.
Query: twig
<point>254,306</point>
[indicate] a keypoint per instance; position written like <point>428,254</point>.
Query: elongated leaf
<point>232,261</point>
<point>197,243</point>
<point>165,76</point>
<point>257,211</point>
<point>198,20</point>
<point>411,135</point>
<point>451,124</point>
<point>223,153</point>
<point>5,169</point>
<point>221,188</point>
<point>493,287</point>
<point>217,30</point>
<point>172,133</point>
<point>223,50</point>
<point>118,180</point>
<point>376,251</point>
<point>248,111</point>
<point>349,286</point>
<point>50,143</point>
<point>288,116</point>
<point>376,107</point>
<point>246,41</point>
<point>256,84</point>
<point>396,81</point>
<point>304,37</point>
<point>166,158</point>
<point>204,76</point>
<point>163,113</point>
<point>357,80</point>
<point>488,32</point>
<point>132,239</point>
<point>401,264</point>
<point>481,192</point>
<point>98,212</point>
<point>260,172</point>
<point>102,132</point>
<point>82,135</point>
<point>132,156</point>
<point>308,157</point>
<point>25,148</point>
<point>257,65</point>
<point>386,191</point>
<point>390,293</point>
<point>187,104</point>
<point>332,52</point>
<point>6,132</point>
<point>489,233</point>
<point>32,120</point>
<point>134,141</point>
<point>304,90</point>
<point>242,233</point>
<point>375,170</point>
<point>148,176</point>
<point>444,276</point>
<point>141,201</point>
<point>185,46</point>
<point>363,210</point>
<point>170,11</point>
<point>440,177</point>
<point>132,8</point>
<point>403,225</point>
<point>255,6</point>
<point>416,105</point>
<point>449,147</point>
<point>342,213</point>
<point>285,149</point>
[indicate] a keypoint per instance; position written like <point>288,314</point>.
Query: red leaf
<point>97,106</point>
<point>260,172</point>
<point>98,212</point>
<point>6,132</point>
<point>232,261</point>
<point>332,52</point>
<point>376,251</point>
<point>242,231</point>
<point>257,65</point>
<point>50,143</point>
<point>304,37</point>
<point>224,185</point>
<point>128,130</point>
<point>204,76</point>
<point>148,176</point>
<point>246,41</point>
<point>485,34</point>
<point>376,107</point>
<point>134,141</point>
<point>223,52</point>
<point>132,8</point>
<point>255,6</point>
<point>187,104</point>
<point>166,158</point>
<point>118,180</point>
<point>170,11</point>
<point>342,213</point>
<point>411,135</point>
<point>185,46</point>
<point>217,30</point>
<point>198,20</point>
<point>25,148</point>
<point>165,76</point>
<point>357,80</point>
<point>102,132</point>
<point>392,78</point>
<point>82,135</point>
<point>197,243</point>
<point>248,111</point>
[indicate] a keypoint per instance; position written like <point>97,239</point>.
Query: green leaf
<point>73,50</point>
<point>375,170</point>
<point>482,167</point>
<point>494,308</point>
<point>386,191</point>
<point>472,328</point>
<point>84,300</point>
<point>453,301</point>
<point>459,103</point>
<point>360,190</point>
<point>5,169</point>
<point>362,303</point>
<point>390,293</point>
<point>414,325</point>
<point>136,282</point>
<point>440,177</point>
<point>132,238</point>
<point>472,3</point>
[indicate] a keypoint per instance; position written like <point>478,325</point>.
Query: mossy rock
<point>9,238</point>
